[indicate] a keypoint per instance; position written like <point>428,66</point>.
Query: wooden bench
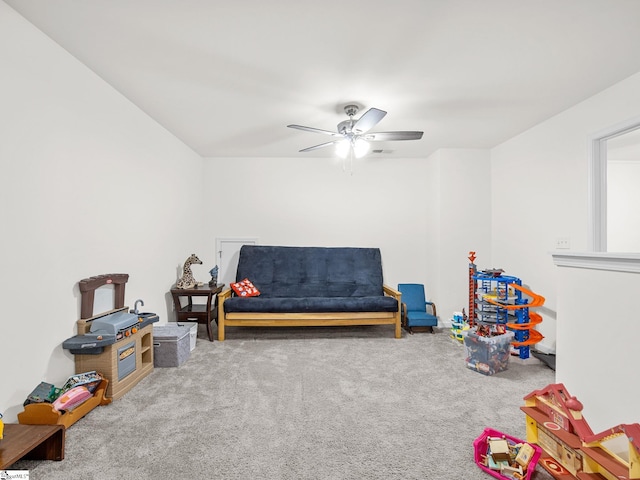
<point>33,442</point>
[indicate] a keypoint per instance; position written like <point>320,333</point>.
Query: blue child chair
<point>416,311</point>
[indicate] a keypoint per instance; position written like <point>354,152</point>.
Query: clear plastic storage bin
<point>487,355</point>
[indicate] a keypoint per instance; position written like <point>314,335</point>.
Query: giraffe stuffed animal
<point>187,280</point>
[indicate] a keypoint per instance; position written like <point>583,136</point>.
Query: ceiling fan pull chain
<point>351,160</point>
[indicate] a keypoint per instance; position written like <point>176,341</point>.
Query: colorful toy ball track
<point>504,294</point>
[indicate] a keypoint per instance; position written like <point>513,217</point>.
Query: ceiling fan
<point>353,135</point>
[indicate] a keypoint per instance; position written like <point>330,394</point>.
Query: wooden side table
<point>202,313</point>
<point>34,442</point>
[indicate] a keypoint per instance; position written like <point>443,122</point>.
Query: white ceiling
<point>226,77</point>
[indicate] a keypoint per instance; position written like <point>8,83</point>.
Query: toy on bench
<point>49,405</point>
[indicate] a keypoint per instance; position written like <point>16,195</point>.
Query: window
<point>614,189</point>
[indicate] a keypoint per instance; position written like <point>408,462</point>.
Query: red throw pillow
<point>245,288</point>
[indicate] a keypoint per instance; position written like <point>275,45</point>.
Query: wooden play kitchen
<point>118,344</point>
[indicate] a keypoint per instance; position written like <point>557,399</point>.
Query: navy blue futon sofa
<point>310,286</point>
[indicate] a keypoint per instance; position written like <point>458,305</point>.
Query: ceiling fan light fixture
<point>354,135</point>
<point>360,147</point>
<point>342,148</point>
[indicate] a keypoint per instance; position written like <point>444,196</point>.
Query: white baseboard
<point>542,348</point>
<point>525,361</point>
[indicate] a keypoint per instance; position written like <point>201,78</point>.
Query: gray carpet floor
<point>312,403</point>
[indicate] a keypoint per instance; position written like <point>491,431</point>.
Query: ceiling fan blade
<point>368,120</point>
<point>389,136</point>
<point>315,147</point>
<point>315,130</point>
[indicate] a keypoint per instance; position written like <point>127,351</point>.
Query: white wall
<point>314,202</point>
<point>540,192</point>
<point>393,204</point>
<point>460,213</point>
<point>598,328</point>
<point>89,185</point>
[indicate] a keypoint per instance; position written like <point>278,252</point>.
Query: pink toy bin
<point>480,449</point>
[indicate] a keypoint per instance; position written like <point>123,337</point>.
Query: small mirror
<point>104,299</point>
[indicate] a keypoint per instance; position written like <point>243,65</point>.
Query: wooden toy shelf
<point>46,414</point>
